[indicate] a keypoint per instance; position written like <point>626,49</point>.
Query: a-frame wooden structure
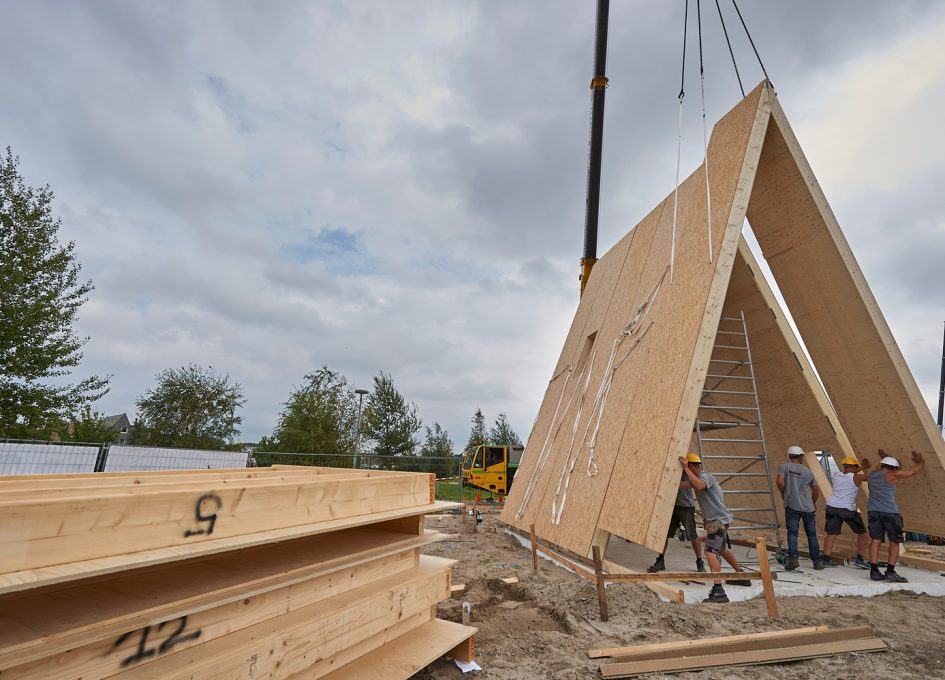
<point>623,399</point>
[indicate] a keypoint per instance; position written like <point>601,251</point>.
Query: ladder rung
<point>730,332</point>
<point>744,491</point>
<point>731,318</point>
<point>729,361</point>
<point>729,377</point>
<point>733,510</point>
<point>749,394</point>
<point>720,407</point>
<point>729,347</point>
<point>740,441</point>
<point>723,424</point>
<point>725,457</point>
<point>753,526</point>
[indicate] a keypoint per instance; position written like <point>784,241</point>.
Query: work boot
<point>891,575</point>
<point>827,561</point>
<point>717,594</point>
<point>818,565</point>
<point>876,574</point>
<point>861,563</point>
<point>700,565</point>
<point>791,563</point>
<point>659,565</point>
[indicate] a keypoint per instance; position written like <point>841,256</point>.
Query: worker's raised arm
<point>914,470</point>
<point>693,480</point>
<point>863,474</point>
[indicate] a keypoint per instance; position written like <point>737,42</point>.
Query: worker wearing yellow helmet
<point>716,519</point>
<point>841,509</point>
<point>684,515</point>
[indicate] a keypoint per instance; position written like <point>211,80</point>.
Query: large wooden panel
<point>862,369</point>
<point>75,524</point>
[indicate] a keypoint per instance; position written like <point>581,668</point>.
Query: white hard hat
<point>890,461</point>
<point>795,451</point>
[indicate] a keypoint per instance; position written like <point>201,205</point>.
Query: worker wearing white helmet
<point>883,515</point>
<point>841,508</point>
<point>799,491</point>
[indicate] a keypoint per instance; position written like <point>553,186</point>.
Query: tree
<point>502,433</point>
<point>40,295</point>
<point>437,443</point>
<point>319,417</point>
<point>89,426</point>
<point>477,436</point>
<point>190,407</point>
<point>389,421</point>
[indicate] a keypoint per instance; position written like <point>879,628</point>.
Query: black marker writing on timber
<point>205,502</point>
<point>142,653</point>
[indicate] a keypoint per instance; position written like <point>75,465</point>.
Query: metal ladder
<point>731,406</point>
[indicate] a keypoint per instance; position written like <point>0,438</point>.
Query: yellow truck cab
<point>491,466</point>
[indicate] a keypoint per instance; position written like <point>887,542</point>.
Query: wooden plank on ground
<point>753,643</point>
<point>683,646</point>
<point>404,656</point>
<point>99,567</point>
<point>684,576</point>
<point>767,656</point>
<point>44,531</point>
<point>291,643</point>
<point>37,624</point>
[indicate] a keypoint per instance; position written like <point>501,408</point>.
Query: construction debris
<point>736,650</point>
<point>312,571</point>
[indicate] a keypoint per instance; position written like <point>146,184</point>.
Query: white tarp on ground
<point>144,458</point>
<point>34,459</point>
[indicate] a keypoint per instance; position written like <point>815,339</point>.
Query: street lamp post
<point>357,437</point>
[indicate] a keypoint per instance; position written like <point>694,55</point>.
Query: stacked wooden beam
<point>259,573</point>
<point>735,650</point>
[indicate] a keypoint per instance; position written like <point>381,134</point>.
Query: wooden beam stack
<point>276,572</point>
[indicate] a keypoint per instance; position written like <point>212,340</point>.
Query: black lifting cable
<point>730,51</point>
<point>682,77</point>
<point>758,56</point>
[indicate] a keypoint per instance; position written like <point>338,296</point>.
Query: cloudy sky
<point>399,186</point>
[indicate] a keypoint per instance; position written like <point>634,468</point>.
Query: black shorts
<point>687,518</point>
<point>716,537</point>
<point>886,525</point>
<point>837,516</point>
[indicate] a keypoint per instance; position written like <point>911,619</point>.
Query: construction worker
<point>883,515</point>
<point>684,515</point>
<point>716,519</point>
<point>841,507</point>
<point>799,491</point>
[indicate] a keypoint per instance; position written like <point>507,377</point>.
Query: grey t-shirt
<point>684,497</point>
<point>882,494</point>
<point>797,483</point>
<point>712,501</point>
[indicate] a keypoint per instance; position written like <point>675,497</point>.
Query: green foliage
<point>389,421</point>
<point>320,416</point>
<point>190,407</point>
<point>477,436</point>
<point>40,295</point>
<point>502,432</point>
<point>89,426</point>
<point>437,442</point>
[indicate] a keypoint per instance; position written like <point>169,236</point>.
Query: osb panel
<point>655,383</point>
<point>869,384</point>
<point>556,431</point>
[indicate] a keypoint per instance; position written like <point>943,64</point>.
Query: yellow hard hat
<point>693,458</point>
<point>849,460</point>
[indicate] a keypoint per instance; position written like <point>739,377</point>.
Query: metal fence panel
<point>36,458</point>
<point>145,458</point>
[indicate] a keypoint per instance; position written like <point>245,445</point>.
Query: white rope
<point>672,250</point>
<point>555,514</point>
<point>705,164</point>
<point>599,404</point>
<point>543,452</point>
